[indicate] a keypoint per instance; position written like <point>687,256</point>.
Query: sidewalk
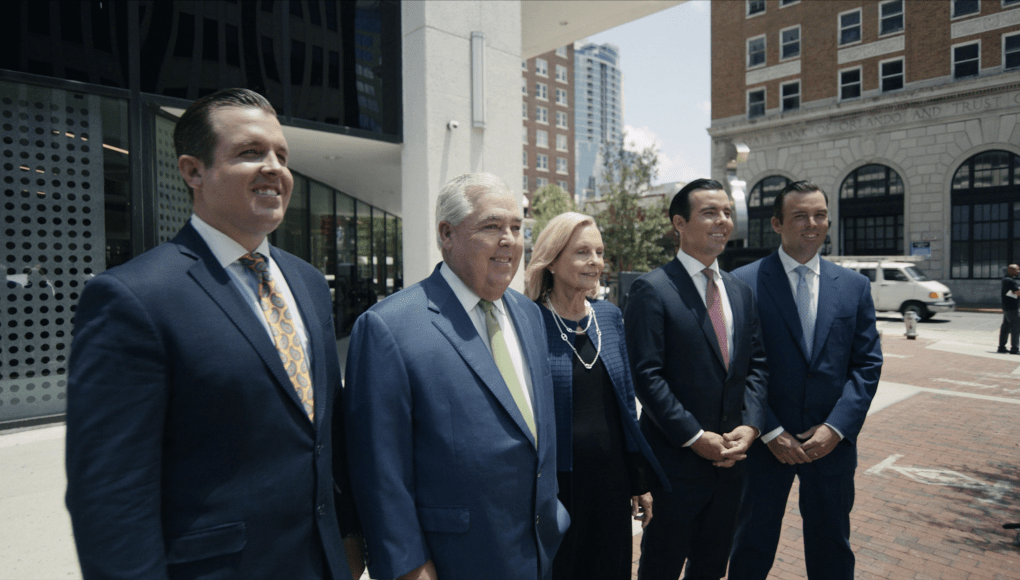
<point>938,473</point>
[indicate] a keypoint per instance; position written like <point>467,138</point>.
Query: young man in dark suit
<point>699,371</point>
<point>204,380</point>
<point>824,363</point>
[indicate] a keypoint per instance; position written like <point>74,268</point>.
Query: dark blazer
<point>837,384</point>
<point>679,374</point>
<point>188,452</point>
<point>442,463</point>
<point>617,363</point>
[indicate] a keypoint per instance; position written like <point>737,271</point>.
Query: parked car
<point>899,285</point>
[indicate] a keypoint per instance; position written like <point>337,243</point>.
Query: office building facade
<point>598,112</point>
<point>904,111</point>
<point>547,128</point>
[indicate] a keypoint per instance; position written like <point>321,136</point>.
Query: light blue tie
<point>803,299</point>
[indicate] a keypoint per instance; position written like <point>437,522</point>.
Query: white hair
<point>456,198</point>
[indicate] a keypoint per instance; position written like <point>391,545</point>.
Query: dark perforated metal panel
<point>53,238</point>
<point>174,205</point>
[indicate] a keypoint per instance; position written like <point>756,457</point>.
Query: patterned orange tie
<point>274,308</point>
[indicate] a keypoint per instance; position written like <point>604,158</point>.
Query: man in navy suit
<point>450,417</point>
<point>202,391</point>
<point>824,362</point>
<point>699,371</point>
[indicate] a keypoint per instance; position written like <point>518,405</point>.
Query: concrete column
<point>437,90</point>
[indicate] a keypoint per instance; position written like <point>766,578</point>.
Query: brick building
<point>547,131</point>
<point>904,111</point>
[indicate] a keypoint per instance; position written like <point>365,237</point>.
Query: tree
<point>636,232</point>
<point>547,203</point>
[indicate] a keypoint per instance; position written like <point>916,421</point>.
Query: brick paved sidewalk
<point>938,474</point>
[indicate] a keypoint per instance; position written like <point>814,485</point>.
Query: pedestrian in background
<point>1010,311</point>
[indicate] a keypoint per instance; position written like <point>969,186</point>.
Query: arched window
<point>759,212</point>
<point>985,234</point>
<point>871,212</point>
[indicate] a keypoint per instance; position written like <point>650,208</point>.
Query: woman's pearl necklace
<point>561,325</point>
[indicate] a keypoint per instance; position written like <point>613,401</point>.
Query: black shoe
<point>1002,350</point>
<point>1014,351</point>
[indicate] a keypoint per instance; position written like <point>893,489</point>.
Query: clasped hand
<point>811,445</point>
<point>727,449</point>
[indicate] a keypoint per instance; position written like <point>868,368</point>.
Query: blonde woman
<point>604,465</point>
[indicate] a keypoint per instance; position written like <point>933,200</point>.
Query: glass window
<point>561,97</point>
<point>561,119</point>
<point>871,212</point>
<point>755,103</point>
<point>785,3</point>
<point>850,27</point>
<point>524,110</point>
<point>561,73</point>
<point>561,51</point>
<point>541,138</point>
<point>755,7</point>
<point>525,158</point>
<point>541,67</point>
<point>524,85</point>
<point>871,273</point>
<point>791,96</point>
<point>561,165</point>
<point>890,17</point>
<point>561,142</point>
<point>1011,51</point>
<point>563,186</point>
<point>966,60</point>
<point>542,162</point>
<point>542,91</point>
<point>293,235</point>
<point>323,228</point>
<point>542,115</point>
<point>789,42</point>
<point>524,135</point>
<point>849,84</point>
<point>541,182</point>
<point>524,65</point>
<point>892,75</point>
<point>525,183</point>
<point>894,275</point>
<point>759,214</point>
<point>755,51</point>
<point>965,7</point>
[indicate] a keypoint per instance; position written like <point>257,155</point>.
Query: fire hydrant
<point>910,319</point>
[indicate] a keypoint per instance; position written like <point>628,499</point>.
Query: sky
<point>666,63</point>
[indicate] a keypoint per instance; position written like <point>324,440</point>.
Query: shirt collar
<point>465,295</point>
<point>224,248</point>
<point>789,264</point>
<point>694,266</point>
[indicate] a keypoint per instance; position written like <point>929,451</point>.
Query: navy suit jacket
<point>839,381</point>
<point>617,363</point>
<point>443,465</point>
<point>679,374</point>
<point>188,452</point>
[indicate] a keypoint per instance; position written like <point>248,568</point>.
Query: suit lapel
<point>692,298</point>
<point>827,285</point>
<point>450,318</point>
<point>736,308</point>
<point>776,285</point>
<point>208,274</point>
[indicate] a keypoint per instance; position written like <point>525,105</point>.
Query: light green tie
<point>501,353</point>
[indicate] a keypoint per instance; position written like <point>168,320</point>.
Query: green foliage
<point>636,231</point>
<point>547,203</point>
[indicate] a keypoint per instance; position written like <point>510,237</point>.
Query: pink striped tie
<point>715,312</point>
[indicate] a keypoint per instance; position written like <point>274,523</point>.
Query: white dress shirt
<point>469,300</point>
<point>694,268</point>
<point>227,251</point>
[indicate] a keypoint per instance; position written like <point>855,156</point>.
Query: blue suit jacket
<point>617,363</point>
<point>442,463</point>
<point>188,452</point>
<point>679,373</point>
<point>837,384</point>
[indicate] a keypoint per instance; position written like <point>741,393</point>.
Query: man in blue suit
<point>699,371</point>
<point>204,381</point>
<point>450,417</point>
<point>824,363</point>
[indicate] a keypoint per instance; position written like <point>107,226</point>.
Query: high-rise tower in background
<point>598,111</point>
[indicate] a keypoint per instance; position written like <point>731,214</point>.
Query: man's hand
<point>739,441</point>
<point>818,441</point>
<point>355,555</point>
<point>710,446</point>
<point>641,508</point>
<point>788,450</point>
<point>426,571</point>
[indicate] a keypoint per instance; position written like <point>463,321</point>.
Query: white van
<point>898,285</point>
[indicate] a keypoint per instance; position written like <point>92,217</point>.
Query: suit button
<point>725,418</point>
<point>540,473</point>
<point>318,450</point>
<point>536,520</point>
<point>322,510</point>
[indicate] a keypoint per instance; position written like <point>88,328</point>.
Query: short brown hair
<point>194,134</point>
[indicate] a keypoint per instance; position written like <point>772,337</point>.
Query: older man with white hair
<point>449,395</point>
